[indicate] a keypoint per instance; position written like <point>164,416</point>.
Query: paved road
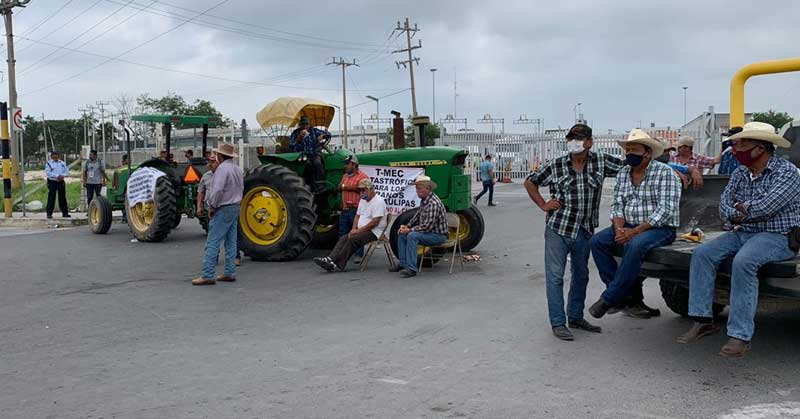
<point>99,327</point>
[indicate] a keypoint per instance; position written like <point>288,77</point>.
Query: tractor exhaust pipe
<point>398,131</point>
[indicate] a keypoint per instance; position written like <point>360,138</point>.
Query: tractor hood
<point>414,157</point>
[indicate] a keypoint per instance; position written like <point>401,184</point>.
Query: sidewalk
<point>40,220</point>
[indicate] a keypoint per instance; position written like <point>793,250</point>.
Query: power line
<point>409,31</point>
<point>64,24</point>
<point>381,97</point>
<point>52,15</point>
<point>172,70</point>
<point>344,64</point>
<point>129,50</point>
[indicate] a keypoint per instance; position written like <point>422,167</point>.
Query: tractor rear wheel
<point>100,215</point>
<point>277,217</point>
<point>471,229</point>
<point>325,235</point>
<point>152,221</point>
<point>394,233</point>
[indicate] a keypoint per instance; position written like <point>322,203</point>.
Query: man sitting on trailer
<point>305,139</point>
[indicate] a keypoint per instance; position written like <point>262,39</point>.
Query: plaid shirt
<point>696,160</point>
<point>655,201</point>
<point>728,162</point>
<point>772,200</point>
<point>431,217</point>
<point>579,193</point>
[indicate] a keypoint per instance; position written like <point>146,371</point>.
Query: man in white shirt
<point>368,226</point>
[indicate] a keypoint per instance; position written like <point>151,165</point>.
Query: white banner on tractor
<point>142,185</point>
<point>396,186</point>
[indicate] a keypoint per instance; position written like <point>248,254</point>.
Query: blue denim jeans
<point>488,185</point>
<point>556,250</point>
<point>620,278</point>
<point>346,219</point>
<point>750,251</point>
<point>223,227</point>
<point>407,247</point>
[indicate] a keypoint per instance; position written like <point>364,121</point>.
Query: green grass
<point>73,194</point>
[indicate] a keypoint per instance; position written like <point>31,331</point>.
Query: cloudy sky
<point>625,61</point>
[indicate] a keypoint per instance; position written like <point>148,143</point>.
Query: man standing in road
<point>369,224</point>
<point>487,177</point>
<point>644,215</point>
<point>94,176</point>
<point>762,202</point>
<point>427,227</point>
<point>56,171</point>
<point>224,200</point>
<point>576,184</point>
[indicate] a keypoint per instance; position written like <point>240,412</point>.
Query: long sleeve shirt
<point>227,185</point>
<point>310,143</point>
<point>655,201</point>
<point>431,216</point>
<point>771,200</point>
<point>55,168</point>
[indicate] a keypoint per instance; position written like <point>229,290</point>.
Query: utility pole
<point>684,104</point>
<point>93,144</point>
<point>7,9</point>
<point>433,73</point>
<point>455,95</point>
<point>85,128</point>
<point>102,105</point>
<point>344,64</point>
<point>409,63</point>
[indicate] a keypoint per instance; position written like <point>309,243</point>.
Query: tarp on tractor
<point>286,111</point>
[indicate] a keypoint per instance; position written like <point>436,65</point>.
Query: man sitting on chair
<point>427,227</point>
<point>368,226</point>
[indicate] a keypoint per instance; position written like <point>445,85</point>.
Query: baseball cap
<point>365,184</point>
<point>579,131</point>
<point>351,159</point>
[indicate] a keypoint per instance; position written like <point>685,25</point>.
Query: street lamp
<point>433,73</point>
<point>378,115</point>
<point>684,104</point>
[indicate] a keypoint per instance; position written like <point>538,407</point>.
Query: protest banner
<point>395,186</point>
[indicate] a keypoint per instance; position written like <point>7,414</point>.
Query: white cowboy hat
<point>422,179</point>
<point>226,149</point>
<point>638,136</point>
<point>685,141</point>
<point>763,132</point>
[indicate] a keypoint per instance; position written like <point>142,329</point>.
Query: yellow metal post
<point>755,69</point>
<point>5,149</point>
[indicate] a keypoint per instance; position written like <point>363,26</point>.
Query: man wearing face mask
<point>762,202</point>
<point>576,183</point>
<point>644,215</point>
<point>369,224</point>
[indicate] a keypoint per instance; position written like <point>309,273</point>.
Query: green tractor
<point>175,193</point>
<point>280,216</point>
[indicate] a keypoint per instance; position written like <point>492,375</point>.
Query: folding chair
<point>382,240</point>
<point>452,244</point>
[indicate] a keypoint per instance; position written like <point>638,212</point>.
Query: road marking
<point>391,380</point>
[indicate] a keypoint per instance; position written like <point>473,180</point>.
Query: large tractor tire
<point>394,233</point>
<point>277,217</point>
<point>100,215</point>
<point>177,221</point>
<point>325,235</point>
<point>152,221</point>
<point>677,298</point>
<point>471,229</point>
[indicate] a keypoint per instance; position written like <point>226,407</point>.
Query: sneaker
<point>563,333</point>
<point>582,324</point>
<point>323,263</point>
<point>203,281</point>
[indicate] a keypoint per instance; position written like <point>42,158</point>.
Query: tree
<point>776,119</point>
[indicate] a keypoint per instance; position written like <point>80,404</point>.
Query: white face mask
<point>575,146</point>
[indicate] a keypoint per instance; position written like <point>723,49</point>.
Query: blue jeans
<point>619,279</point>
<point>223,226</point>
<point>407,247</point>
<point>750,251</point>
<point>346,219</point>
<point>488,185</point>
<point>556,250</point>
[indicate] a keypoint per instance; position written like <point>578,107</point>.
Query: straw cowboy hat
<point>763,132</point>
<point>637,136</point>
<point>226,149</point>
<point>685,141</point>
<point>425,180</point>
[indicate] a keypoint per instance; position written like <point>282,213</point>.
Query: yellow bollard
<point>5,149</point>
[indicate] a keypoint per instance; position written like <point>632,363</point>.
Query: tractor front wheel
<point>152,221</point>
<point>100,215</point>
<point>471,228</point>
<point>277,217</point>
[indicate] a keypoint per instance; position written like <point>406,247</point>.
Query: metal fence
<point>516,156</point>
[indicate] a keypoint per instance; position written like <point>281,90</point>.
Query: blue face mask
<point>634,160</point>
<point>365,197</point>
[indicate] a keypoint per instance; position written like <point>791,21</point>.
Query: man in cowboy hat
<point>305,139</point>
<point>576,184</point>
<point>223,200</point>
<point>644,215</point>
<point>762,203</point>
<point>427,227</point>
<point>687,156</point>
<point>369,224</point>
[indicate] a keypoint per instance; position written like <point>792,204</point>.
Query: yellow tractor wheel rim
<point>141,215</point>
<point>95,215</point>
<point>463,228</point>
<point>263,216</point>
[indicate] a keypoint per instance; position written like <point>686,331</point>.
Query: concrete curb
<point>30,222</point>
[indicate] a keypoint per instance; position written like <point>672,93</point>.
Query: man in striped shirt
<point>576,183</point>
<point>427,227</point>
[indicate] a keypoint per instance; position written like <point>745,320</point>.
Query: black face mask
<point>634,160</point>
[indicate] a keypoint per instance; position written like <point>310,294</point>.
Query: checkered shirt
<point>431,217</point>
<point>655,201</point>
<point>579,193</point>
<point>772,200</point>
<point>696,160</point>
